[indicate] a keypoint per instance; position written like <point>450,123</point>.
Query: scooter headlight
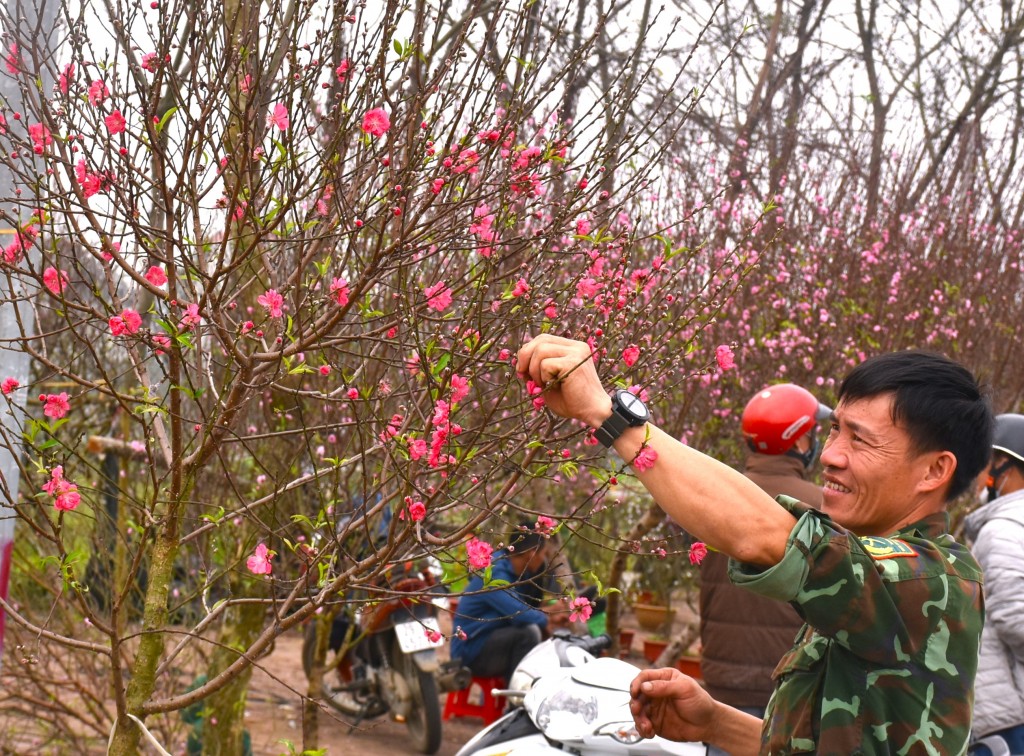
<point>622,732</point>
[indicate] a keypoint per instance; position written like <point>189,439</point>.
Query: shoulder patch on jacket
<point>886,548</point>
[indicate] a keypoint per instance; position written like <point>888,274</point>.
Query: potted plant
<point>652,603</point>
<point>654,645</point>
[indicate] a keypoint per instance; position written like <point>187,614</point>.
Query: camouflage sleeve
<point>880,605</point>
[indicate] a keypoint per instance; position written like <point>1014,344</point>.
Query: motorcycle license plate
<point>412,636</point>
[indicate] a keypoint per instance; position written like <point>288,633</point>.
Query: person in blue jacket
<point>501,624</point>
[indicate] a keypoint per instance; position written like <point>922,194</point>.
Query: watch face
<point>633,406</point>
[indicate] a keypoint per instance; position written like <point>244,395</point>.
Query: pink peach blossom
<point>156,275</point>
<point>279,117</point>
<point>56,405</point>
<point>439,296</point>
<point>259,562</point>
<point>645,459</point>
<point>376,122</point>
<point>339,291</point>
<point>115,122</point>
<point>125,324</point>
<point>54,280</point>
<point>272,301</point>
<point>479,553</point>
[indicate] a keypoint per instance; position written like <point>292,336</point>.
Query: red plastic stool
<point>457,703</point>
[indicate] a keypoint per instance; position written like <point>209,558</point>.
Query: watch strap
<point>611,428</point>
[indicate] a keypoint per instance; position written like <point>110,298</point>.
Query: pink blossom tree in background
<point>279,258</point>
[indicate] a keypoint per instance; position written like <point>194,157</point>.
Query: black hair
<point>524,538</point>
<point>939,403</point>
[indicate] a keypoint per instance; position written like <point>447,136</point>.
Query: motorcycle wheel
<point>424,720</point>
<point>352,703</point>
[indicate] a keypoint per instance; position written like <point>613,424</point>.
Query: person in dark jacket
<point>501,625</point>
<point>744,635</point>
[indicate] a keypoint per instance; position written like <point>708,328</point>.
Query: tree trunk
<point>151,647</point>
<point>613,608</point>
<point>224,727</point>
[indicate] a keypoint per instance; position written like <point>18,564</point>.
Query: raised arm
<point>708,499</point>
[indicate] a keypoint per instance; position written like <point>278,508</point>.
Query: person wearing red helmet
<point>743,635</point>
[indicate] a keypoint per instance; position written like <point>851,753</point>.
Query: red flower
<point>697,552</point>
<point>156,276</point>
<point>56,405</point>
<point>115,122</point>
<point>125,324</point>
<point>645,459</point>
<point>340,292</point>
<point>479,553</point>
<point>54,280</point>
<point>273,302</point>
<point>376,122</point>
<point>98,92</point>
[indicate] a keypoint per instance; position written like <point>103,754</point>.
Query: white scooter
<point>572,703</point>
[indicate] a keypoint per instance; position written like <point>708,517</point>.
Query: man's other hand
<point>668,703</point>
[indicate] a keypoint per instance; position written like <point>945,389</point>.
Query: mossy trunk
<point>224,731</point>
<point>318,658</point>
<point>151,646</point>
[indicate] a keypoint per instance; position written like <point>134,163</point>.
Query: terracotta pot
<point>654,617</point>
<point>653,649</point>
<point>689,665</point>
<point>625,643</point>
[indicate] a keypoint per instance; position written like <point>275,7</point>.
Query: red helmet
<point>778,415</point>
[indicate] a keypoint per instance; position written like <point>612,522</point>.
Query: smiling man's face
<point>874,481</point>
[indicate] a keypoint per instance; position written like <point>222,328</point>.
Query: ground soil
<point>275,714</point>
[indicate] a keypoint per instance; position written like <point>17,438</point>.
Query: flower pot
<point>625,643</point>
<point>653,649</point>
<point>689,665</point>
<point>654,617</point>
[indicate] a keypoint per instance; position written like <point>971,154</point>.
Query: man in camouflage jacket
<point>893,605</point>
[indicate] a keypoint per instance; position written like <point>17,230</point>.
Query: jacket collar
<point>1001,507</point>
<point>775,464</point>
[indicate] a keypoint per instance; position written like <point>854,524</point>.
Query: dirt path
<point>274,714</point>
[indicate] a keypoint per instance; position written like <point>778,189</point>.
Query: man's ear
<point>939,472</point>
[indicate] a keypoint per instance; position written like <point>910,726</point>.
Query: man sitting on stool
<point>502,624</point>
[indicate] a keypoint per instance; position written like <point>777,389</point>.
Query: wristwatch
<point>627,412</point>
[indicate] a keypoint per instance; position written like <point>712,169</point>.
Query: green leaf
<point>440,364</point>
<point>166,117</point>
<point>215,517</point>
<point>143,409</point>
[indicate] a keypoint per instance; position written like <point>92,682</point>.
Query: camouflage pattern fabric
<point>887,659</point>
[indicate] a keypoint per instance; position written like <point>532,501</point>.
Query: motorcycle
<point>565,700</point>
<point>384,659</point>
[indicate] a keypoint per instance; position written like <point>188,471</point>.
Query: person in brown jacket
<point>744,635</point>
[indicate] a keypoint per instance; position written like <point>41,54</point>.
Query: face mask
<point>993,492</point>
